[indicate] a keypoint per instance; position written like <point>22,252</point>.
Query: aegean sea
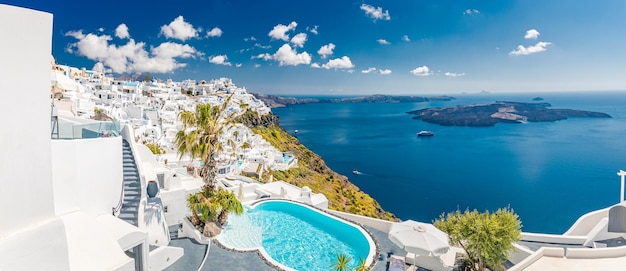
<point>550,173</point>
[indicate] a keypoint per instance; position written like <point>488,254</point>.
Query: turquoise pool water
<point>296,236</point>
<point>239,163</point>
<point>287,159</point>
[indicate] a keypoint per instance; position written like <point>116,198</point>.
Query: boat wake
<point>357,172</point>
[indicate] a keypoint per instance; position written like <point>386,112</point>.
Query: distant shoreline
<point>274,101</point>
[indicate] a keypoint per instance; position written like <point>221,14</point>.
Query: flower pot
<point>152,189</point>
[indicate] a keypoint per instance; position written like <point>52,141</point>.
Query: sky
<point>338,47</point>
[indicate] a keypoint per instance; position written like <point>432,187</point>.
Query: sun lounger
<point>396,263</point>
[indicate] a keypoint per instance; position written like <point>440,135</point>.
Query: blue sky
<point>351,47</point>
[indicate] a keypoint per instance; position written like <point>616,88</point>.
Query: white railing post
<point>621,173</point>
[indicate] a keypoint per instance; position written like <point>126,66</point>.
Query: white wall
<point>43,248</point>
<point>587,222</point>
<point>87,174</point>
<point>176,203</point>
<point>379,224</point>
<point>25,170</point>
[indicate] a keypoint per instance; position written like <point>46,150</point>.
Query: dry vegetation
<point>312,172</point>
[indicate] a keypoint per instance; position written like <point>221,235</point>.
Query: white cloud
<point>215,32</point>
<point>383,41</point>
<point>315,65</point>
<point>279,32</point>
<point>179,29</point>
<point>532,34</point>
<point>262,46</point>
<point>220,60</point>
<point>99,67</point>
<point>369,70</point>
<point>313,29</point>
<point>101,29</point>
<point>238,65</point>
<point>264,56</point>
<point>250,38</point>
<point>122,31</point>
<point>471,11</point>
<point>287,56</point>
<point>453,74</point>
<point>384,72</point>
<point>132,56</point>
<point>421,71</point>
<point>537,48</point>
<point>257,65</point>
<point>299,40</point>
<point>171,50</point>
<point>405,38</point>
<point>376,13</point>
<point>326,50</point>
<point>339,63</point>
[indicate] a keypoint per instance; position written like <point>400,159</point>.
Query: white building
<point>58,197</point>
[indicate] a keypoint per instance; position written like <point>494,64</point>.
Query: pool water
<point>287,159</point>
<point>296,236</point>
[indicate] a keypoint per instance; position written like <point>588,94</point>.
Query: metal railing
<point>89,130</point>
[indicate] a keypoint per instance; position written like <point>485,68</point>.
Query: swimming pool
<point>296,236</point>
<point>287,159</point>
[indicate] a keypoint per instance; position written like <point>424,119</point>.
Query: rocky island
<point>274,101</point>
<point>482,115</point>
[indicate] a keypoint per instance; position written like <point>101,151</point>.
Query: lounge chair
<point>396,263</point>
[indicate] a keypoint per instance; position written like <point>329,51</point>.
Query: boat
<point>356,172</point>
<point>295,131</point>
<point>425,133</point>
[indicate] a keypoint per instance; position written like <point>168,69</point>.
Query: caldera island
<point>482,115</point>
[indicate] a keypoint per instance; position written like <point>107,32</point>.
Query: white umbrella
<point>419,238</point>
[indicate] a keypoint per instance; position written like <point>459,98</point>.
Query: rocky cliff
<point>313,172</point>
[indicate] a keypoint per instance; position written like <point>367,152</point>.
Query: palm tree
<point>342,262</point>
<point>232,145</point>
<point>200,134</point>
<point>210,205</point>
<point>362,266</point>
<point>228,203</point>
<point>195,205</point>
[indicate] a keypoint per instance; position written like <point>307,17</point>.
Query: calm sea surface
<point>550,173</point>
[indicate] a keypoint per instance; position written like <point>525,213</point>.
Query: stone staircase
<point>132,186</point>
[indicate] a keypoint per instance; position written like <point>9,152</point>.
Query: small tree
<point>342,262</point>
<point>362,266</point>
<point>155,148</point>
<point>227,202</point>
<point>212,205</point>
<point>487,238</point>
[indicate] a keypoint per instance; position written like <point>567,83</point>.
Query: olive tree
<point>487,238</point>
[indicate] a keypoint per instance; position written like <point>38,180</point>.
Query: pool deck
<point>222,259</point>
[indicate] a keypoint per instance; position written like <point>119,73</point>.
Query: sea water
<point>550,173</point>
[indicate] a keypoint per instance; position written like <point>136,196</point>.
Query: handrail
<point>117,209</point>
